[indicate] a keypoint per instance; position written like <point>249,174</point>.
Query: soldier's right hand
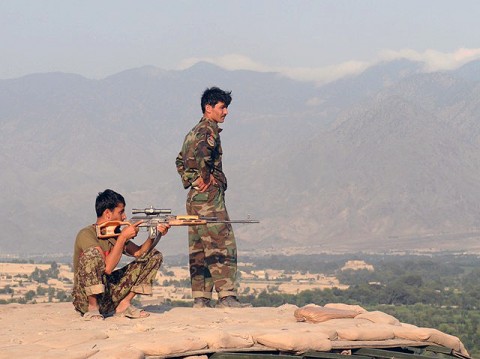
<point>201,186</point>
<point>131,231</point>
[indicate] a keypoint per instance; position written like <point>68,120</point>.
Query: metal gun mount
<point>151,211</point>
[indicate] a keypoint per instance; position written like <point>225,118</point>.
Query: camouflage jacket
<point>201,155</point>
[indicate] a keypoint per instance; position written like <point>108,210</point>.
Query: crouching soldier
<point>99,289</point>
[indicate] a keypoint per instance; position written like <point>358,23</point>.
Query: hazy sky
<point>304,39</point>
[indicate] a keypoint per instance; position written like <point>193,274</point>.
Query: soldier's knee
<point>157,257</point>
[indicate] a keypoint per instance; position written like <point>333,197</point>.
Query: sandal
<point>93,315</point>
<point>133,313</point>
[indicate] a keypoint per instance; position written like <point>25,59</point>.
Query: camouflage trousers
<point>90,279</point>
<point>212,247</point>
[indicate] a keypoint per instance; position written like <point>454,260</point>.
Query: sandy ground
<point>55,330</point>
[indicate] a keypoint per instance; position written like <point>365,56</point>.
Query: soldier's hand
<point>163,228</point>
<point>138,254</point>
<point>201,186</point>
<point>131,231</point>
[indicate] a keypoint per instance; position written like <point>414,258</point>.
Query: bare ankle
<point>93,307</point>
<point>124,304</point>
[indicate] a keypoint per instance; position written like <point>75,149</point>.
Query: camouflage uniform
<point>90,277</point>
<point>212,247</point>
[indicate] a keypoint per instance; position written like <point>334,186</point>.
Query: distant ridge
<point>390,153</point>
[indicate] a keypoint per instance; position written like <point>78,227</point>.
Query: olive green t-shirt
<point>86,238</point>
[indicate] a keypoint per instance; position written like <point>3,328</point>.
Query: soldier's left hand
<point>163,228</point>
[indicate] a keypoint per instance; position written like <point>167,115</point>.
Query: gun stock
<point>110,229</point>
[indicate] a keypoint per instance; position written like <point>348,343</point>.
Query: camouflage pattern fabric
<point>90,279</point>
<point>201,155</point>
<point>212,247</point>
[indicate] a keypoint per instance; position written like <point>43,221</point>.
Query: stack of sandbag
<point>354,323</point>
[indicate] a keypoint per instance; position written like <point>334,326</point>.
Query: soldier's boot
<point>231,302</point>
<point>201,302</point>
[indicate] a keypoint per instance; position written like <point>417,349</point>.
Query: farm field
<point>40,283</point>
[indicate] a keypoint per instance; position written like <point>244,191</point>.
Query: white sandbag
<point>318,314</point>
<point>298,342</point>
<point>430,335</point>
<point>217,339</point>
<point>165,345</point>
<point>367,332</point>
<point>115,353</point>
<point>379,317</point>
<point>355,308</point>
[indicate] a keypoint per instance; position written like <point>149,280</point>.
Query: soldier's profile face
<point>118,213</point>
<point>216,113</point>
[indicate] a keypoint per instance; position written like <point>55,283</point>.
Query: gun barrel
<point>242,221</point>
<point>189,220</point>
<point>151,211</point>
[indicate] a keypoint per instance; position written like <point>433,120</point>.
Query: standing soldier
<point>212,247</point>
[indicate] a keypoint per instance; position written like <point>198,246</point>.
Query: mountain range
<point>385,160</point>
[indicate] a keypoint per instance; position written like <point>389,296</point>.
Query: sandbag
<point>366,332</point>
<point>163,345</point>
<point>300,342</point>
<point>412,332</point>
<point>355,308</point>
<point>318,314</point>
<point>115,353</point>
<point>217,339</point>
<point>379,317</point>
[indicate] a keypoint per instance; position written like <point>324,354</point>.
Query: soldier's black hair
<point>107,199</point>
<point>213,95</point>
